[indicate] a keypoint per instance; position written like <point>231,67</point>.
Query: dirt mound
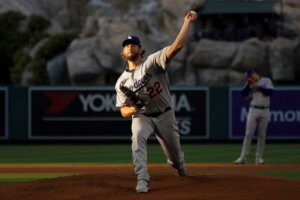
<point>118,182</point>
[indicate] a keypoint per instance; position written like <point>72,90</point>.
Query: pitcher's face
<point>131,52</point>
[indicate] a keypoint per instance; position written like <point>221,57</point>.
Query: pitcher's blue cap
<point>131,40</point>
<point>249,72</point>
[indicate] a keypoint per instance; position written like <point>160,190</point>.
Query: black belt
<point>156,114</point>
<point>259,107</point>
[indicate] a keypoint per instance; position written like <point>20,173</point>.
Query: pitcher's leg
<point>168,132</point>
<point>163,146</point>
<point>168,153</point>
<point>141,130</point>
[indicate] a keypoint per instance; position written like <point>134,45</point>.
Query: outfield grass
<point>9,178</point>
<point>291,175</point>
<point>121,153</point>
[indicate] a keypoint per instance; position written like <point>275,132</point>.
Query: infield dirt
<point>97,182</point>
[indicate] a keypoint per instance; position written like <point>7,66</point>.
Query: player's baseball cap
<point>249,72</point>
<point>131,40</point>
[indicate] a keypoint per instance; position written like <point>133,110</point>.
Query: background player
<point>149,79</point>
<point>257,92</point>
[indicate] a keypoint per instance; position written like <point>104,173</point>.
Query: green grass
<point>290,175</point>
<point>121,153</point>
<point>64,154</point>
<point>9,178</point>
<point>227,153</point>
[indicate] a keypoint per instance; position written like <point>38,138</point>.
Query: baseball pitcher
<point>257,92</point>
<point>143,94</point>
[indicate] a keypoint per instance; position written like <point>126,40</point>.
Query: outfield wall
<point>88,113</point>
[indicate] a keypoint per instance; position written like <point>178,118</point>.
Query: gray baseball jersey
<point>259,98</point>
<point>151,82</point>
<point>258,118</point>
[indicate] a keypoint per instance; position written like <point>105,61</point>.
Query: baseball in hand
<point>193,12</point>
<point>192,15</point>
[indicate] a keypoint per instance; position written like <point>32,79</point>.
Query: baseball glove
<point>136,101</point>
<point>248,98</point>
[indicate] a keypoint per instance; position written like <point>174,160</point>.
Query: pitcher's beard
<point>133,57</point>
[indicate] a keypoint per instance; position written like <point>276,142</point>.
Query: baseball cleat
<point>181,171</point>
<point>142,186</point>
<point>240,161</point>
<point>259,161</point>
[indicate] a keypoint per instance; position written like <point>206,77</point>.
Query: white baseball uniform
<point>258,116</point>
<point>151,82</point>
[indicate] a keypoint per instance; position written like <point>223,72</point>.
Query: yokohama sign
<point>90,113</point>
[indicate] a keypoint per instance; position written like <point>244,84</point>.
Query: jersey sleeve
<point>158,59</point>
<point>246,90</point>
<point>268,87</point>
<point>269,84</point>
<point>121,99</point>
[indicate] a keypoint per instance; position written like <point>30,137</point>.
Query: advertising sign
<point>284,111</point>
<point>90,113</point>
<point>3,113</point>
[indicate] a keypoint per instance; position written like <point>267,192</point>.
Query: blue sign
<point>285,114</point>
